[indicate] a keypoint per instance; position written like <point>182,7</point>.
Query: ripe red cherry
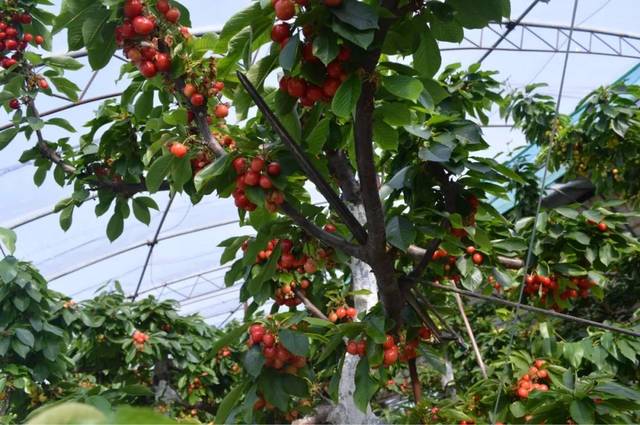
<point>333,317</point>
<point>27,37</point>
<point>280,32</point>
<point>265,182</point>
<point>471,250</point>
<point>11,32</point>
<point>345,54</point>
<point>332,3</point>
<point>14,104</point>
<point>149,53</point>
<point>274,169</point>
<point>252,178</point>
<point>240,165</point>
<point>257,164</point>
<point>477,258</point>
<point>352,312</point>
<point>179,150</point>
<point>334,69</point>
<point>330,228</point>
<point>132,8</point>
<point>603,227</point>
<point>268,340</point>
<point>222,110</point>
<point>389,342</point>
<point>390,357</point>
<point>25,18</point>
<point>197,99</point>
<point>163,6</point>
<point>296,87</point>
<point>39,40</point>
<point>287,245</point>
<point>148,69</point>
<point>163,62</point>
<point>352,348</point>
<point>143,25</point>
<point>43,84</point>
<point>523,393</point>
<point>189,90</point>
<point>330,87</point>
<point>173,15</point>
<point>285,9</point>
<point>341,312</point>
<point>11,44</point>
<point>307,53</point>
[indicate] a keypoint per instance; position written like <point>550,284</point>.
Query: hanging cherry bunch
<point>285,294</point>
<point>256,173</point>
<point>343,312</point>
<point>357,347</point>
<point>469,220</point>
<point>275,354</point>
<point>139,339</point>
<point>332,75</point>
<point>551,288</point>
<point>533,380</point>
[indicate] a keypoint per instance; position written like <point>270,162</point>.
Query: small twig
<point>472,337</point>
<point>426,320</point>
<point>429,306</point>
<point>315,311</point>
<point>415,381</point>
<point>426,255</point>
<point>314,175</point>
<point>315,231</point>
<point>534,309</point>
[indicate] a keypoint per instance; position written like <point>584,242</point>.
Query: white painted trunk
<point>346,412</point>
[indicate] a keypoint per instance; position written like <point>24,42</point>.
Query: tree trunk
<point>362,278</point>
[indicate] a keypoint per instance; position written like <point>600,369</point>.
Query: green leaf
<point>157,172</point>
<point>235,24</point>
<point>385,136</point>
<point>573,352</point>
<point>582,411</point>
<point>211,171</point>
<point>473,281</point>
<point>141,211</point>
<point>137,390</point>
<point>66,87</point>
<point>580,237</point>
<point>403,86</point>
<point>427,59</point>
<point>8,239</point>
<point>295,342</point>
<point>394,113</point>
<point>8,270</point>
<point>289,55</point>
<point>359,38</point>
<point>64,62</point>
<point>66,217</point>
<point>62,123</point>
<point>606,254</point>
<point>7,136</point>
<point>618,390</point>
<point>253,361</point>
<point>346,98</point>
<point>115,227</point>
<point>400,232</point>
<point>318,136</point>
<point>477,13</point>
<point>365,385</point>
<point>181,172</point>
<point>25,336</point>
<point>357,14</point>
<point>144,105</point>
<point>19,348</point>
<point>228,403</point>
<point>436,152</point>
<point>517,409</point>
<point>325,47</point>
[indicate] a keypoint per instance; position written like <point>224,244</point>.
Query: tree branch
<point>421,254</point>
<point>340,168</point>
<point>415,381</point>
<point>327,238</point>
<point>323,186</point>
<point>311,307</point>
<point>472,337</point>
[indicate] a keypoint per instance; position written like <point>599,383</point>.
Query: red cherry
<point>179,150</point>
<point>341,312</point>
<point>274,169</point>
<point>197,99</point>
<point>25,18</point>
<point>390,356</point>
<point>330,228</point>
<point>132,8</point>
<point>477,258</point>
<point>333,317</point>
<point>257,164</point>
<point>163,6</point>
<point>163,62</point>
<point>149,53</point>
<point>352,312</point>
<point>252,178</point>
<point>523,393</point>
<point>148,69</point>
<point>27,37</point>
<point>268,340</point>
<point>143,25</point>
<point>280,32</point>
<point>222,110</point>
<point>14,104</point>
<point>330,86</point>
<point>39,39</point>
<point>334,69</point>
<point>11,32</point>
<point>352,348</point>
<point>603,227</point>
<point>128,30</point>
<point>345,53</point>
<point>11,44</point>
<point>43,84</point>
<point>471,250</point>
<point>189,90</point>
<point>307,53</point>
<point>265,182</point>
<point>173,15</point>
<point>296,87</point>
<point>285,9</point>
<point>389,342</point>
<point>287,245</point>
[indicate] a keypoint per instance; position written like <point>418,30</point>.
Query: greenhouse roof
<point>177,256</point>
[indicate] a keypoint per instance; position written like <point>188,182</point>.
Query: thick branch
<point>312,173</point>
<point>311,307</point>
<point>426,255</point>
<point>415,381</point>
<point>340,168</point>
<point>327,238</point>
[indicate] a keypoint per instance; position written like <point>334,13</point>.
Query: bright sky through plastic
<point>56,252</point>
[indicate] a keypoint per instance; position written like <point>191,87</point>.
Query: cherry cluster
<point>333,74</point>
<point>547,288</point>
<point>138,36</point>
<point>602,226</point>
<point>256,173</point>
<point>343,312</point>
<point>276,355</point>
<point>449,261</point>
<point>224,352</point>
<point>470,220</point>
<point>532,380</point>
<point>357,348</point>
<point>139,338</point>
<point>285,294</point>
